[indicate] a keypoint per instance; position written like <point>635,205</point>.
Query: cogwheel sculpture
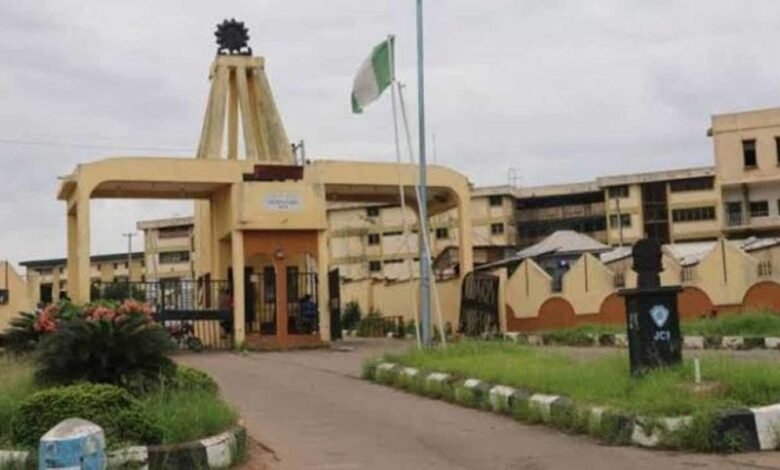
<point>232,38</point>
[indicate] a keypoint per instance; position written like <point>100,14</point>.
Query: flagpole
<point>401,190</point>
<point>425,286</point>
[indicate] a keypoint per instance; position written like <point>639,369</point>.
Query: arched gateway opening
<point>262,260</point>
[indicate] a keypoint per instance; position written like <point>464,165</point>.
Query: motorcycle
<point>184,336</point>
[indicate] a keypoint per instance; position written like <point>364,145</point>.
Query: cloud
<point>561,90</point>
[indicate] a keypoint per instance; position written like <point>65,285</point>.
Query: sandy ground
<point>310,410</point>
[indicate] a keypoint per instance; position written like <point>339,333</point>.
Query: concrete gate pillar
<point>239,321</point>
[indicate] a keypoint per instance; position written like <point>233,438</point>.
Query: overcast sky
<point>561,90</point>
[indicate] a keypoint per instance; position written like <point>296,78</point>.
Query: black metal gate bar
<point>302,302</point>
<point>204,304</point>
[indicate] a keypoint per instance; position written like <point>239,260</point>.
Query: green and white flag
<point>374,76</point>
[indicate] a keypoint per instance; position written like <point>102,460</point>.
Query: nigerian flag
<point>374,76</point>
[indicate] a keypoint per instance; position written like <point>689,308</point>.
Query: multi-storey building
<point>48,278</point>
<point>747,162</point>
<point>670,206</point>
<point>367,240</point>
<point>542,210</point>
<point>169,248</point>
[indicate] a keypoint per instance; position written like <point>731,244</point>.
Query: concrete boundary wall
<point>726,280</point>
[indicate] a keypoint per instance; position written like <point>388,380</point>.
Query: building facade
<point>48,281</point>
<point>169,249</point>
<point>669,206</point>
<point>747,161</point>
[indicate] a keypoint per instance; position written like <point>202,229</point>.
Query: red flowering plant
<point>112,343</point>
<point>26,330</point>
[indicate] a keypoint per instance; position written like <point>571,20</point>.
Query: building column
<point>239,311</point>
<point>78,250</point>
<point>323,291</point>
<point>72,265</point>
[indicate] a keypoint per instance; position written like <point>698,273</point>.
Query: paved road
<point>313,411</point>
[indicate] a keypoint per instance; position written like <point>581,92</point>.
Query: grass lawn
<point>748,324</point>
<point>605,381</point>
<point>16,384</point>
<point>183,415</point>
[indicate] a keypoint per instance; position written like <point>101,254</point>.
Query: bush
<point>21,336</point>
<point>351,316</point>
<point>120,415</point>
<point>121,346</point>
<point>187,378</point>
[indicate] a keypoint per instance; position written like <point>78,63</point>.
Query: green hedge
<point>121,416</point>
<point>189,379</point>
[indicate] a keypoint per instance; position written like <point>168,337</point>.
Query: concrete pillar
<point>72,267</point>
<point>323,291</point>
<point>83,222</point>
<point>239,333</point>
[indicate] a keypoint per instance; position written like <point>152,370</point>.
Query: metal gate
<point>204,305</point>
<point>265,289</point>
<point>302,302</point>
<point>334,304</point>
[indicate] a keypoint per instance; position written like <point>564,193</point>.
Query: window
<point>625,221</point>
<point>442,233</point>
<point>116,265</point>
<point>777,150</point>
<point>693,214</point>
<point>374,266</point>
<point>373,239</point>
<point>616,192</point>
<point>495,201</point>
<point>172,257</point>
<point>496,229</point>
<point>181,231</point>
<point>759,209</point>
<point>692,184</point>
<point>372,212</point>
<point>749,153</point>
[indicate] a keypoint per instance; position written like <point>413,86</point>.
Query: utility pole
<point>425,262</point>
<point>129,236</point>
<point>619,220</point>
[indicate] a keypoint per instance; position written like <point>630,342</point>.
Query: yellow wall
<point>726,273</point>
<point>397,298</point>
<point>527,288</point>
<point>19,299</point>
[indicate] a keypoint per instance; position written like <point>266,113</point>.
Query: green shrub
<point>25,331</point>
<point>122,346</point>
<point>21,336</point>
<point>351,316</point>
<point>369,369</point>
<point>187,378</point>
<point>411,328</point>
<point>121,416</point>
<point>372,325</point>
